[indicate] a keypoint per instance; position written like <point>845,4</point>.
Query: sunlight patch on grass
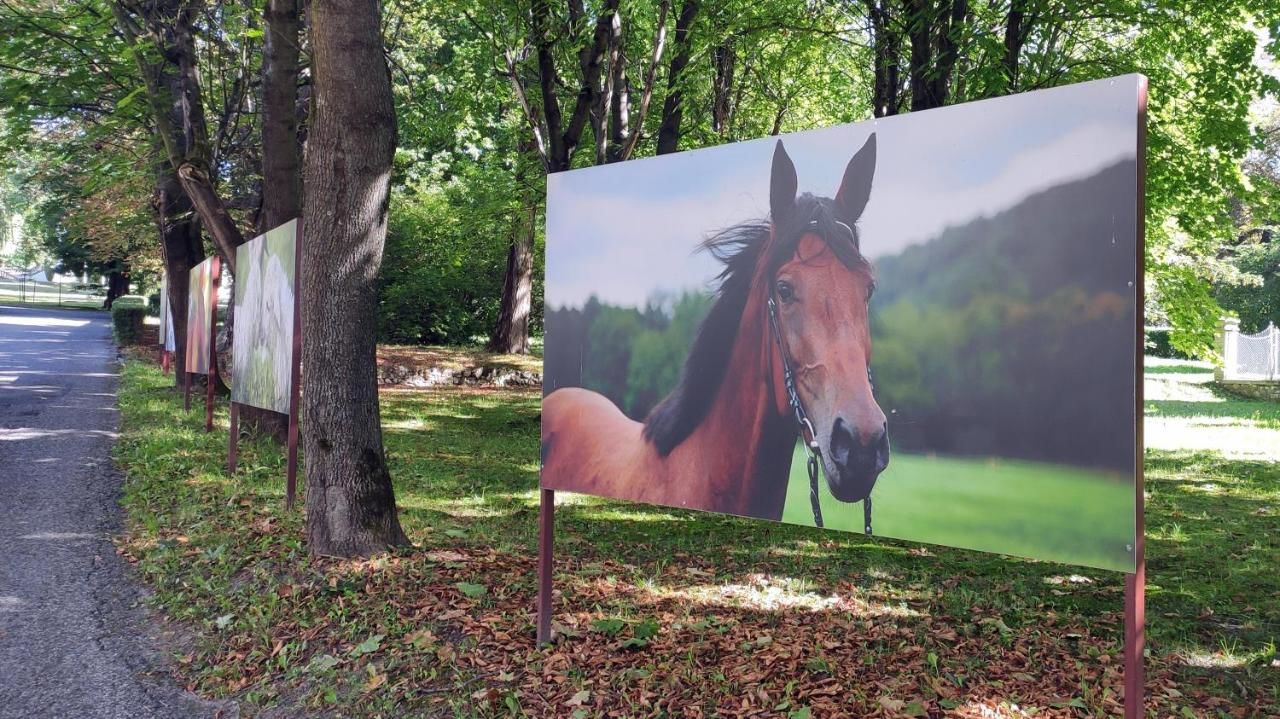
<point>986,711</point>
<point>771,593</point>
<point>1059,580</point>
<point>569,499</point>
<point>1216,660</point>
<point>408,424</point>
<point>471,508</point>
<point>609,513</point>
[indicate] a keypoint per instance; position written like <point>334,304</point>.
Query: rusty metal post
<point>212,377</point>
<point>546,542</point>
<point>233,439</point>
<point>1135,619</point>
<point>295,379</point>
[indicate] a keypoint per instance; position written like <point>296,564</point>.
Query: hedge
<point>127,314</point>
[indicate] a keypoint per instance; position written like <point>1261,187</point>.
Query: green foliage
<point>1255,302</point>
<point>1159,345</point>
<point>441,279</point>
<point>127,315</point>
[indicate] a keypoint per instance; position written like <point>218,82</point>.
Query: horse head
<point>820,286</point>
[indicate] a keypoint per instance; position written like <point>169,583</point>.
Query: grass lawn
<point>662,612</point>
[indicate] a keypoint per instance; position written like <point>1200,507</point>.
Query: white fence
<point>1249,357</point>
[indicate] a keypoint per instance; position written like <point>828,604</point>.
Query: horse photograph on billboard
<point>747,369</point>
<point>201,305</point>
<point>919,327</point>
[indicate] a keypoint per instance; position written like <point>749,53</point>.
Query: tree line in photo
<point>138,138</point>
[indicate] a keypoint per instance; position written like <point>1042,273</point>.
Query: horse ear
<point>782,185</point>
<point>855,188</point>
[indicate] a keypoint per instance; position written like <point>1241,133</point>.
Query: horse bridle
<point>803,425</point>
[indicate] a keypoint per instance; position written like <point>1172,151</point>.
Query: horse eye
<point>786,292</point>
<point>871,290</point>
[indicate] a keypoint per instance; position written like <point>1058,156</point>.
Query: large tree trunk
<point>511,333</point>
<point>351,507</point>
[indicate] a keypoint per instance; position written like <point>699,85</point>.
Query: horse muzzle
<point>854,462</point>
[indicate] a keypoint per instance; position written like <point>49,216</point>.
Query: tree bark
<point>948,52</point>
<point>886,46</point>
<point>724,57</point>
<point>1014,37</point>
<point>117,284</point>
<point>181,248</point>
<point>351,507</point>
<point>511,332</point>
<point>673,107</point>
<point>281,152</point>
<point>918,15</point>
<point>226,236</point>
<point>281,158</point>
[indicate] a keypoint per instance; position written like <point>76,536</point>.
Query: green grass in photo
<point>1027,509</point>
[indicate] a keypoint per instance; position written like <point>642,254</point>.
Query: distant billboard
<point>262,353</point>
<point>201,302</point>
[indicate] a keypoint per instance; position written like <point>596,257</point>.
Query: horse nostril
<point>882,450</point>
<point>842,442</point>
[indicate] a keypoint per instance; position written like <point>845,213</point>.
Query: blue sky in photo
<point>626,231</point>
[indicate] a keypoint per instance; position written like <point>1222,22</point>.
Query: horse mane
<point>739,247</point>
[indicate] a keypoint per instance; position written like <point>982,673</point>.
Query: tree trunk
<point>117,284</point>
<point>886,44</point>
<point>351,507</point>
<point>673,107</point>
<point>226,236</point>
<point>281,155</point>
<point>511,333</point>
<point>724,57</point>
<point>182,249</point>
<point>1014,37</point>
<point>281,158</point>
<point>918,14</point>
<point>949,27</point>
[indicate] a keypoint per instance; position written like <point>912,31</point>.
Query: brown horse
<point>793,300</point>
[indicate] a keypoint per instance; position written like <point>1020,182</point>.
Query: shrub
<point>127,314</point>
<point>1158,345</point>
<point>446,257</point>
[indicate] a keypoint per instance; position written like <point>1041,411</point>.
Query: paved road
<point>74,641</point>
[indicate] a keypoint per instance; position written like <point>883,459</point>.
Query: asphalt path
<point>75,639</point>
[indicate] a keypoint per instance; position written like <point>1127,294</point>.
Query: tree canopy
<point>489,97</point>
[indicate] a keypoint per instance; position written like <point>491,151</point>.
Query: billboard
<point>923,324</point>
<point>165,315</point>
<point>262,353</point>
<point>201,300</point>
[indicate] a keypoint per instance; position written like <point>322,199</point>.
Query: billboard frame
<point>295,386</point>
